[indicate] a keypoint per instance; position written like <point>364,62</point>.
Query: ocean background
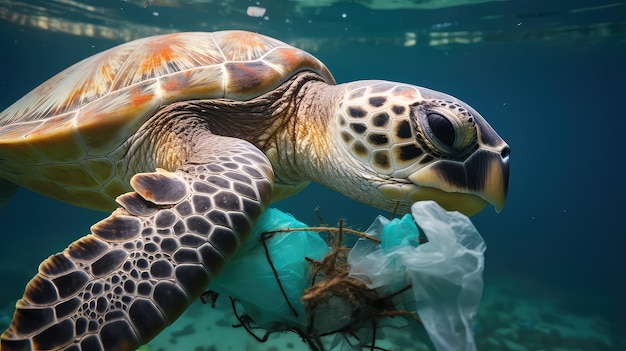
<point>549,76</point>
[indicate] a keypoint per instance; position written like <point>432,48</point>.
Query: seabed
<point>508,320</point>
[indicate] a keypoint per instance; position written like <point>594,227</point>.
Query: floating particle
<point>410,39</point>
<point>255,11</point>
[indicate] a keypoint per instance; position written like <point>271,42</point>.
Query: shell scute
<point>19,153</point>
<point>102,168</point>
<point>41,185</point>
<point>124,111</point>
<point>288,60</point>
<point>201,83</point>
<point>55,140</point>
<point>97,200</point>
<point>115,187</point>
<point>246,78</point>
<point>72,174</point>
<point>241,46</point>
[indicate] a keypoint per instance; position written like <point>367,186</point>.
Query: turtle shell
<point>88,110</point>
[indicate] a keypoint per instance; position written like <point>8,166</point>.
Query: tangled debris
<point>335,302</point>
<point>331,280</point>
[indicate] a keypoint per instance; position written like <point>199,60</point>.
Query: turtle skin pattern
<point>141,267</point>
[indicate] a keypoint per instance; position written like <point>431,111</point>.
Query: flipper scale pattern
<point>141,267</point>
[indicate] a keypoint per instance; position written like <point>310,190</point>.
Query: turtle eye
<point>445,128</point>
<point>441,128</point>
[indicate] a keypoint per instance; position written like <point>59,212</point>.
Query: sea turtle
<point>192,135</point>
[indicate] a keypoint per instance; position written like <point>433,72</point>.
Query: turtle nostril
<point>505,152</point>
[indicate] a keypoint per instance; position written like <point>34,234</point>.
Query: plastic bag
<point>250,279</point>
<point>445,273</point>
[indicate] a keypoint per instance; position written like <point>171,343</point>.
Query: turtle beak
<point>485,174</point>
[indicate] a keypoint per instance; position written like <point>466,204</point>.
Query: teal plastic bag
<point>250,279</point>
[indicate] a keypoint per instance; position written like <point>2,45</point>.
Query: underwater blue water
<point>549,77</point>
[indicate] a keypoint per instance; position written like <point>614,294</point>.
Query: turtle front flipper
<point>142,266</point>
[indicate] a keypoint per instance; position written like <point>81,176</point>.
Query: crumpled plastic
<point>445,273</point>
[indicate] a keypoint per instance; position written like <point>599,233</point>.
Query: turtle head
<point>411,143</point>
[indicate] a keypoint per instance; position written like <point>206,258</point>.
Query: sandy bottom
<point>508,320</point>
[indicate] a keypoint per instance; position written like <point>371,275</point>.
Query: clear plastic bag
<point>445,272</point>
